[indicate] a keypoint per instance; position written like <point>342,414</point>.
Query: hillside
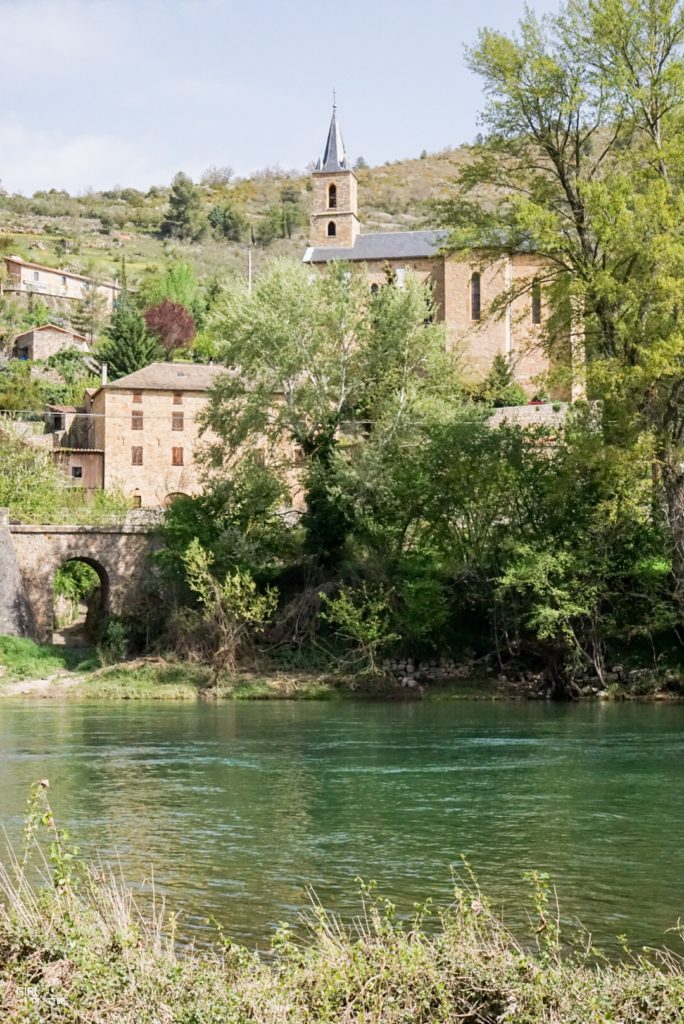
<point>90,233</point>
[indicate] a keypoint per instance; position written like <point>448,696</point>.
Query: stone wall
<point>157,477</point>
<point>120,556</point>
<point>343,214</point>
<point>16,617</point>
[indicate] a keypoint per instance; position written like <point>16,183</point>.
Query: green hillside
<point>90,233</point>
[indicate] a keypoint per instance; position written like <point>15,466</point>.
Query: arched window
<point>332,230</point>
<point>536,302</point>
<point>475,302</point>
<point>332,197</point>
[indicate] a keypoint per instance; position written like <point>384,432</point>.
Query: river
<point>240,807</point>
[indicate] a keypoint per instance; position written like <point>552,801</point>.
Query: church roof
<point>334,156</point>
<point>382,245</point>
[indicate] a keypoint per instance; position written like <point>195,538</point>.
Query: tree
<point>176,281</point>
<point>233,608</point>
<point>227,222</point>
<point>583,162</point>
<point>171,324</point>
<point>89,313</point>
<point>127,346</point>
<point>217,177</point>
<point>320,365</point>
<point>183,218</point>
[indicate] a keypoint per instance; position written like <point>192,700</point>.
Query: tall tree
<point>582,160</point>
<point>318,366</point>
<point>127,346</point>
<point>183,218</point>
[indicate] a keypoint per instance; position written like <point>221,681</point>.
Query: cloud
<point>33,159</point>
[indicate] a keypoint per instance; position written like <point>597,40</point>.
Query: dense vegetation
<point>79,949</point>
<point>419,532</point>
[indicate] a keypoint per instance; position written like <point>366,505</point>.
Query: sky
<point>99,93</point>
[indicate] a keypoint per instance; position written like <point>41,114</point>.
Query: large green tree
<point>319,366</point>
<point>582,160</point>
<point>127,346</point>
<point>184,218</point>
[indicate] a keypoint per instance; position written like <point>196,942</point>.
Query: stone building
<point>463,286</point>
<point>43,342</point>
<point>58,288</point>
<point>146,425</point>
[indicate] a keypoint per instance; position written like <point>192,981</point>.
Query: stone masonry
<point>31,555</point>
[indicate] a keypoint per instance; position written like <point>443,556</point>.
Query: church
<point>462,289</point>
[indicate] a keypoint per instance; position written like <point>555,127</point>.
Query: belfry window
<point>536,302</point>
<point>332,197</point>
<point>332,230</point>
<point>475,300</point>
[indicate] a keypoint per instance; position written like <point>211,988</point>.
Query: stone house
<point>146,425</point>
<point>43,342</point>
<point>463,286</point>
<point>58,288</point>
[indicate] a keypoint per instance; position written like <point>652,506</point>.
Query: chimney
<point>103,374</point>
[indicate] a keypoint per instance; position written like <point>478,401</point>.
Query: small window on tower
<point>332,197</point>
<point>475,303</point>
<point>536,302</point>
<point>332,230</point>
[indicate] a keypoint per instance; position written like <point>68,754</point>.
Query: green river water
<point>239,807</point>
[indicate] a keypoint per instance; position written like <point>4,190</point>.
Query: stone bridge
<point>31,555</point>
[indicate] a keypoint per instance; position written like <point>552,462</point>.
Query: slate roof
<point>334,155</point>
<point>382,245</point>
<point>170,377</point>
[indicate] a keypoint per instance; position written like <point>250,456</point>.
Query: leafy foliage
<point>171,324</point>
<point>128,346</point>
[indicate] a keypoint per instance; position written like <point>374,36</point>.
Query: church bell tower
<point>334,220</point>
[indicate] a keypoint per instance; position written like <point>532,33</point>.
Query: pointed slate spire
<point>334,156</point>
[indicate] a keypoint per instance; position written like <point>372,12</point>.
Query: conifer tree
<point>184,216</point>
<point>128,346</point>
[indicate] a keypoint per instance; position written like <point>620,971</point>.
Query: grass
<point>24,659</point>
<point>77,949</point>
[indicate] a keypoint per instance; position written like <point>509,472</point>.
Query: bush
<point>112,640</point>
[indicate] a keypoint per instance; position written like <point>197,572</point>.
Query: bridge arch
<point>120,555</point>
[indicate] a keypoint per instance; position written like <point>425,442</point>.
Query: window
<point>77,472</point>
<point>178,398</point>
<point>36,275</point>
<point>176,456</point>
<point>136,455</point>
<point>177,421</point>
<point>57,421</point>
<point>475,308</point>
<point>536,302</point>
<point>332,230</point>
<point>332,197</point>
<point>137,396</point>
<point>137,419</point>
<point>63,281</point>
<point>137,501</point>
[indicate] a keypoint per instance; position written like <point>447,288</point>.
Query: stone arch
<point>173,495</point>
<point>97,608</point>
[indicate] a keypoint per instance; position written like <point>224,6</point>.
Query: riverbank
<point>81,950</point>
<point>51,671</point>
